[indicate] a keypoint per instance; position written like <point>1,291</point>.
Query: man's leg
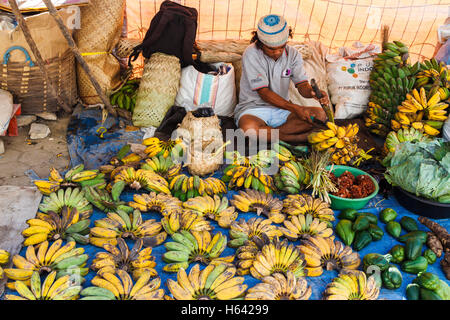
<point>293,130</point>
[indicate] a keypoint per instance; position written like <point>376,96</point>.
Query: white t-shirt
<point>260,71</point>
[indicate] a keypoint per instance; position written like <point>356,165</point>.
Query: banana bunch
<point>146,179</point>
<point>121,161</point>
<point>424,114</point>
<point>104,201</point>
<point>242,231</point>
<point>164,166</point>
<point>53,226</point>
<point>156,147</point>
<point>185,220</point>
<point>120,286</point>
<point>282,153</point>
<point>53,288</point>
<point>259,202</point>
<point>280,287</point>
<point>160,202</point>
<point>326,253</point>
<point>303,204</point>
<point>214,282</point>
<point>352,285</point>
<point>334,136</point>
<point>184,187</point>
<point>48,258</point>
<point>215,208</point>
<point>349,155</point>
<point>136,261</point>
<point>75,177</point>
<point>292,177</point>
<point>192,246</point>
<point>238,176</point>
<point>125,97</point>
<point>434,74</point>
<point>247,252</point>
<point>262,159</point>
<point>278,256</point>
<point>4,259</point>
<point>122,225</point>
<point>393,139</point>
<point>305,226</point>
<point>391,79</point>
<point>71,198</point>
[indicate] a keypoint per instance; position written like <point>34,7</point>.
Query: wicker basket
<point>125,47</point>
<point>25,81</point>
<point>204,134</point>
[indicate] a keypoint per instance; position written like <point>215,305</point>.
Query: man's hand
<point>303,113</point>
<point>324,100</point>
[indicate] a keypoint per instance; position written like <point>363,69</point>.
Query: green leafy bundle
<point>421,168</point>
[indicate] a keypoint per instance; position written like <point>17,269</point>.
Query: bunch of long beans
<point>321,182</point>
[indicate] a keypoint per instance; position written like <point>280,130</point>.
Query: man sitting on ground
<point>268,66</point>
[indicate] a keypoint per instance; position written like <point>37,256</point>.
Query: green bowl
<point>338,203</point>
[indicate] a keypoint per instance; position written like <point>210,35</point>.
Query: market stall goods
<point>185,220</point>
<point>421,169</point>
<point>305,226</point>
<point>259,202</point>
<point>143,179</point>
<point>391,79</point>
<point>104,201</point>
<point>434,76</point>
<point>123,225</point>
<point>352,285</point>
<point>394,138</point>
<point>247,252</point>
<point>426,114</point>
<point>48,258</point>
<point>242,231</point>
<point>71,198</point>
<point>326,253</point>
<point>163,203</point>
<point>302,204</point>
<point>125,96</point>
<point>136,261</point>
<point>120,286</point>
<point>292,177</point>
<point>53,288</point>
<point>214,208</point>
<point>278,257</point>
<point>66,225</point>
<point>241,176</point>
<point>192,246</point>
<point>156,147</point>
<point>4,259</point>
<point>353,187</point>
<point>214,282</point>
<point>280,287</point>
<point>428,286</point>
<point>164,166</point>
<point>75,177</point>
<point>184,187</point>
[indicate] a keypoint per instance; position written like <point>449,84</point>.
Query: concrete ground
<point>22,154</point>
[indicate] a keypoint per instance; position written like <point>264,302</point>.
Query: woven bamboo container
<point>205,142</point>
<point>102,22</point>
<point>25,81</point>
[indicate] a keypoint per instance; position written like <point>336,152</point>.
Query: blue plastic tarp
<point>104,149</point>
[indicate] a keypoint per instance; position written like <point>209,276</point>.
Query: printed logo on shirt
<point>259,78</point>
<point>286,73</point>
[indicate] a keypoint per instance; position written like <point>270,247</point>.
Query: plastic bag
<point>348,79</point>
<point>6,110</point>
<point>216,90</point>
<point>444,53</point>
<point>446,130</point>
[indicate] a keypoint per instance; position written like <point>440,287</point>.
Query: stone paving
<point>40,155</point>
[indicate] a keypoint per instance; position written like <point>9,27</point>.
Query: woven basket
<point>205,141</point>
<point>25,81</point>
<point>157,90</point>
<point>102,27</point>
<point>125,47</point>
